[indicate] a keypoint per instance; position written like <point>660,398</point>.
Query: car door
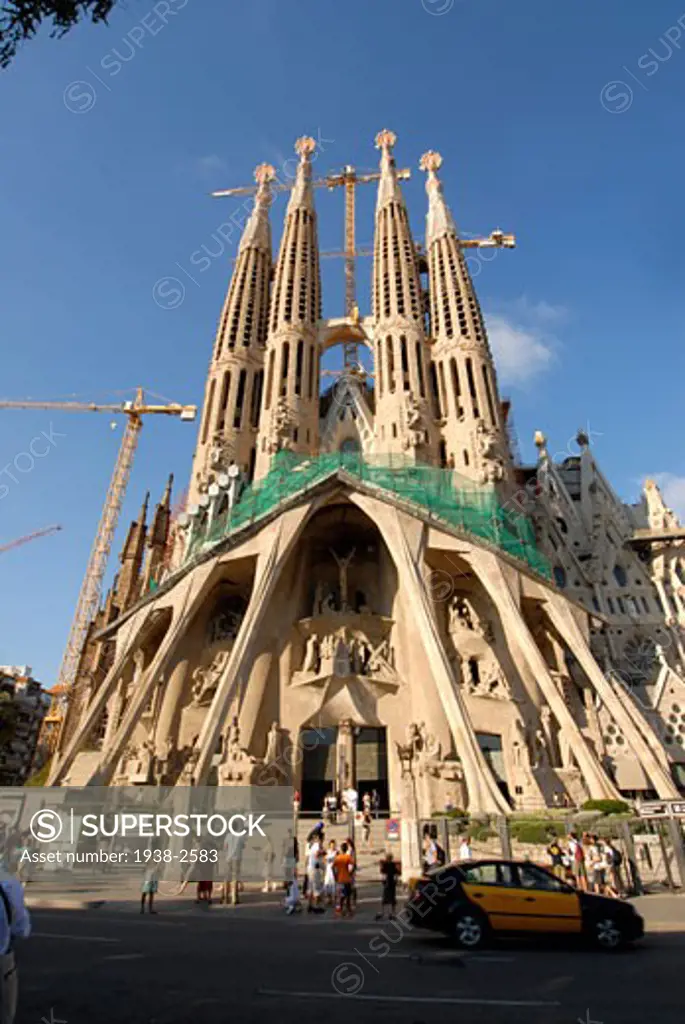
<point>544,902</point>
<point>494,888</point>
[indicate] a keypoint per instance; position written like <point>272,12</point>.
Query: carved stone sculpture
<point>311,654</point>
<point>206,680</point>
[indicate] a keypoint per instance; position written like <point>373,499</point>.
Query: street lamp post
<point>409,823</point>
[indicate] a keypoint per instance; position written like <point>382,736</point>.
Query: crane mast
<point>91,588</point>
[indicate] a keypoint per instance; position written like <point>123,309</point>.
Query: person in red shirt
<point>343,866</point>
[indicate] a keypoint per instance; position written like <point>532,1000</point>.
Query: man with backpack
<point>613,859</point>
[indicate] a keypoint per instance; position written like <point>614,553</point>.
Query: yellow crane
<point>91,588</point>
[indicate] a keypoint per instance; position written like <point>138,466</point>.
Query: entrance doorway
<point>491,745</point>
<point>371,764</point>
<point>358,754</point>
<point>318,766</point>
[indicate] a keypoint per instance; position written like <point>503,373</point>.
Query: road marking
<point>445,1000</point>
<point>74,938</point>
<point>441,954</point>
<point>125,956</point>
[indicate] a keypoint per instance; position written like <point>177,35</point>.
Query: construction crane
<point>347,178</point>
<point>46,531</point>
<point>91,588</point>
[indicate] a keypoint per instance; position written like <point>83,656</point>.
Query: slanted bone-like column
<point>567,627</point>
<point>521,639</point>
<point>484,794</point>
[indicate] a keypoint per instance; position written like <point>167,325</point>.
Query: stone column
<point>169,715</point>
<point>345,755</point>
<point>254,696</point>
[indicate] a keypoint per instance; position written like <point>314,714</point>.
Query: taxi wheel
<point>608,933</point>
<point>469,929</point>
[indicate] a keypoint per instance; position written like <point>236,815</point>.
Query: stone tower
<point>473,437</point>
<point>234,385</point>
<point>290,405</point>
<point>404,418</point>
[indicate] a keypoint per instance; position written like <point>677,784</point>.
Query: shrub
<point>480,831</point>
<point>538,832</point>
<point>607,806</point>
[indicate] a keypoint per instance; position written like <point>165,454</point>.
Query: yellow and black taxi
<point>474,901</point>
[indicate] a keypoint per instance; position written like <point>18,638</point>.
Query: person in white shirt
<point>465,851</point>
<point>15,923</point>
<point>351,799</point>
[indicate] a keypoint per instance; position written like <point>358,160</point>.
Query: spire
<point>474,437</point>
<point>257,233</point>
<point>439,221</point>
<point>302,197</point>
<point>388,187</point>
<point>289,414</point>
<point>159,528</point>
<point>142,516</point>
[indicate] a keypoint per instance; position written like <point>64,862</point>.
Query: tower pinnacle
<point>388,187</point>
<point>301,197</point>
<point>439,221</point>
<point>257,233</point>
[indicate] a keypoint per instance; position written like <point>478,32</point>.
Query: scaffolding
<point>442,493</point>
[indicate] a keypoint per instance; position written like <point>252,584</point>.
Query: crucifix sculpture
<point>343,565</point>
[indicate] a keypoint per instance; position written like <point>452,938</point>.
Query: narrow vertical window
<point>298,367</point>
<point>310,388</point>
<point>472,387</point>
<point>441,389</point>
<point>437,407</point>
<point>391,364</point>
<point>253,459</point>
<point>269,378</point>
<point>284,368</point>
<point>240,398</point>
<point>419,369</point>
<point>208,412</point>
<point>488,395</point>
<point>223,401</point>
<point>379,368</point>
<point>456,388</point>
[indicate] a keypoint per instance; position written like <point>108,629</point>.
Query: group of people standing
<point>347,802</point>
<point>329,876</point>
<point>588,862</point>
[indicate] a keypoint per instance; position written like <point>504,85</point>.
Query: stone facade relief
<point>205,679</point>
<point>347,651</point>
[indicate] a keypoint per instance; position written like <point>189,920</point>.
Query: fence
<point>441,492</point>
<point>653,851</point>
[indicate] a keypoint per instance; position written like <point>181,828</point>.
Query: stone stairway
<point>368,855</point>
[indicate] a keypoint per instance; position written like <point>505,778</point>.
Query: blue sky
<point>554,121</point>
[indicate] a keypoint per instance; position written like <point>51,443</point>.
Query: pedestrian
<point>366,802</point>
<point>329,876</point>
<point>353,854</point>
<point>596,864</point>
<point>315,875</point>
<point>344,868</point>
<point>15,923</point>
<point>268,856</point>
<point>296,802</point>
<point>577,855</point>
<point>292,902</point>
<point>614,859</point>
<point>465,851</point>
<point>375,802</point>
<point>366,827</point>
<point>204,892</point>
<point>351,800</point>
<point>555,856</point>
<point>149,888</point>
<point>390,871</point>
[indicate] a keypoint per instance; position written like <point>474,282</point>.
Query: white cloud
<point>672,488</point>
<point>520,352</point>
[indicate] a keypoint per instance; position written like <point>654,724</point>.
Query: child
<point>390,871</point>
<point>292,902</point>
<point>150,885</point>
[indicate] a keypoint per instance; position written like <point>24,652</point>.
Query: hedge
<point>607,806</point>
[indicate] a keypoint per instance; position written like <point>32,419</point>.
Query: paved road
<point>248,964</point>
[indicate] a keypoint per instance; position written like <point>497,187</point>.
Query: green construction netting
<point>443,493</point>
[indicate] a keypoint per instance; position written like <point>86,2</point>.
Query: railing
<point>441,492</point>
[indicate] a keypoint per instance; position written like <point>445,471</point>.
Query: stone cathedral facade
<point>366,585</point>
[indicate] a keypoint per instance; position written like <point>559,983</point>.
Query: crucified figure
<point>343,565</point>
